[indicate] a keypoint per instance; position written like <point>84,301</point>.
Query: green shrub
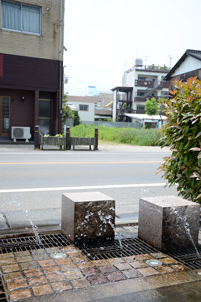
<point>140,137</point>
<point>182,132</point>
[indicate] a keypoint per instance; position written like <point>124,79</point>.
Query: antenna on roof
<point>170,63</point>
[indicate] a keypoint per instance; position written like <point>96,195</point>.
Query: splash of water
<point>187,229</point>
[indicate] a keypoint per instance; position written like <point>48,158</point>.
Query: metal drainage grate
<point>16,244</point>
<point>187,257</point>
<point>3,297</point>
<point>116,248</point>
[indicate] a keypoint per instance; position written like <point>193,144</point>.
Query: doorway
<point>4,115</point>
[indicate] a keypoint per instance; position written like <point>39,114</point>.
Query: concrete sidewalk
<point>65,274</point>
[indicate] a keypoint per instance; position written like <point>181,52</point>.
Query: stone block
<point>87,216</point>
<point>168,222</point>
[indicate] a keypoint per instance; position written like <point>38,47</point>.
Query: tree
<point>76,118</point>
<point>182,132</point>
<point>151,107</point>
<point>66,111</point>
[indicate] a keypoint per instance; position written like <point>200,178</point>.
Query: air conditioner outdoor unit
<point>20,133</point>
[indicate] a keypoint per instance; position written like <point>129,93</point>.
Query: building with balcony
<point>139,84</point>
<point>31,65</point>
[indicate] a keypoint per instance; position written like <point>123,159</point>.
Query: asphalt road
<point>35,180</point>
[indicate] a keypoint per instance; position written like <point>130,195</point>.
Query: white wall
<point>187,65</point>
<point>85,115</point>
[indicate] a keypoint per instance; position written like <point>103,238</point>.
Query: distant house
<point>85,106</point>
<point>149,121</point>
<point>31,65</point>
<point>139,84</point>
<point>189,65</point>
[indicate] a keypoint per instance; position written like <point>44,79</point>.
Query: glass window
<point>45,114</point>
<point>83,107</point>
<point>20,17</point>
<point>44,108</point>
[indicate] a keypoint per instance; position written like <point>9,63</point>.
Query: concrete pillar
<point>168,222</point>
<point>87,216</point>
<point>114,112</point>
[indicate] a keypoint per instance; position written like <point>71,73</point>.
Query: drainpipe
<point>60,61</point>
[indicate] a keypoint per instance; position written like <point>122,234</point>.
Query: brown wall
<point>29,73</point>
<point>185,76</point>
<point>45,45</point>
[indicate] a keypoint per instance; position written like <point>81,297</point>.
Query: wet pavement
<point>66,274</point>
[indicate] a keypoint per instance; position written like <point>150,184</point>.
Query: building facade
<point>139,84</point>
<point>189,65</point>
<point>31,65</point>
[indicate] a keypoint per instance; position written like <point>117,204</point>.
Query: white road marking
<point>83,188</point>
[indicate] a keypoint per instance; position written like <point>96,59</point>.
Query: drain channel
<point>17,244</point>
<point>187,257</point>
<point>116,248</point>
<point>3,297</point>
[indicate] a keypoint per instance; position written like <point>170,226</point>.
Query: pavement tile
<point>39,256</point>
<point>70,275</point>
<point>164,269</point>
<point>55,277</point>
<point>63,261</point>
<point>12,276</point>
<point>80,283</point>
<point>138,264</point>
<point>169,260</point>
<point>22,254</point>
<point>24,259</point>
<point>51,269</point>
<point>122,266</point>
<point>148,271</point>
<point>38,251</point>
<point>97,279</point>
<point>142,257</point>
<point>8,255</point>
<point>20,294</point>
<point>107,268</point>
<point>132,273</point>
<point>29,265</point>
<point>68,267</point>
<point>58,255</point>
<point>10,268</point>
<point>61,286</point>
<point>100,262</point>
<point>15,284</point>
<point>46,263</point>
<point>90,271</point>
<point>115,276</point>
<point>158,255</point>
<point>179,267</point>
<point>33,272</point>
<point>128,259</point>
<point>79,259</point>
<point>7,261</point>
<point>37,280</point>
<point>42,290</point>
<point>85,264</point>
<point>70,249</point>
<point>116,260</point>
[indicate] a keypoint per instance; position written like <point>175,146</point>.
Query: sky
<point>104,37</point>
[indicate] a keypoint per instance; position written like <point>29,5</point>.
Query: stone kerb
<point>87,216</point>
<point>168,222</point>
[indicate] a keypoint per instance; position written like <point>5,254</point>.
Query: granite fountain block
<point>168,222</point>
<point>87,216</point>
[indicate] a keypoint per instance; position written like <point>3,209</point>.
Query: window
<point>45,113</point>
<point>83,107</point>
<point>21,17</point>
<point>4,115</point>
